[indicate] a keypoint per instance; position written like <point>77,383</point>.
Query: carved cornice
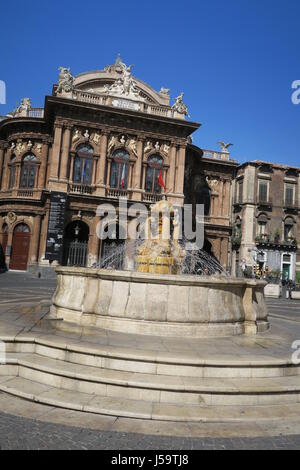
<point>28,136</point>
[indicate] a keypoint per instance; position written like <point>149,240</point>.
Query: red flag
<point>123,176</point>
<point>161,181</point>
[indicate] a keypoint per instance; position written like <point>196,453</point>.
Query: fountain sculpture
<point>159,298</point>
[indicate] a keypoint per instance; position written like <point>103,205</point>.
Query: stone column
<point>55,155</point>
<point>35,240</point>
<point>138,170</point>
<point>144,169</point>
<point>94,245</point>
<point>43,236</point>
<point>180,170</point>
<point>65,152</point>
<point>43,167</point>
<point>108,172</point>
<point>72,157</point>
<point>5,172</point>
<point>100,175</point>
<point>171,173</point>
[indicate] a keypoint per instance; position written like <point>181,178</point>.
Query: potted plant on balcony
<point>258,239</point>
<point>277,236</point>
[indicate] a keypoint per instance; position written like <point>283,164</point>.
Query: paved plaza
<point>27,425</point>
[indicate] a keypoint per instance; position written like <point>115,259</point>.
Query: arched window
<point>28,171</point>
<point>119,169</point>
<point>288,229</point>
<point>83,165</point>
<point>12,172</point>
<point>22,228</point>
<point>154,167</point>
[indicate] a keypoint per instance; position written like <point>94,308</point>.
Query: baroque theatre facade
<point>101,136</point>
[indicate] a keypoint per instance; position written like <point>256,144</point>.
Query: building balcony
<point>117,193</point>
<point>152,197</point>
<point>84,189</point>
<point>22,193</point>
<point>265,203</point>
<point>266,242</point>
<point>291,206</point>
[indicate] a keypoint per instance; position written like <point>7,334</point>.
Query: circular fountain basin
<point>163,305</point>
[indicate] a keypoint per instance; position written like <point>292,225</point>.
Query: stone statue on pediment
<point>65,81</point>
<point>179,105</point>
<point>20,148</point>
<point>224,146</point>
<point>132,146</point>
<point>148,146</point>
<point>76,136</point>
<point>125,85</point>
<point>23,109</point>
<point>165,91</point>
<point>111,144</point>
<point>96,138</point>
<point>165,148</point>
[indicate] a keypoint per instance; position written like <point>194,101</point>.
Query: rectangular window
<point>289,194</point>
<point>263,187</point>
<point>262,228</point>
<point>239,192</point>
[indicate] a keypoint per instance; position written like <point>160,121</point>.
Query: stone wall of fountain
<point>152,304</point>
<point>157,299</point>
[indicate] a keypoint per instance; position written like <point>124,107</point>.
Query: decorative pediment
<point>116,86</point>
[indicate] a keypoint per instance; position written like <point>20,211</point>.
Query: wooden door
<point>20,248</point>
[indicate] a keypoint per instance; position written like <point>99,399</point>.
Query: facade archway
<point>113,249</point>
<point>20,247</point>
<point>75,247</point>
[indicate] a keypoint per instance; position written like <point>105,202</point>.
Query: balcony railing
<point>275,242</point>
<point>21,193</point>
<point>76,188</point>
<point>152,197</point>
<point>93,98</point>
<point>25,193</point>
<point>261,201</point>
<point>291,205</point>
<point>117,193</point>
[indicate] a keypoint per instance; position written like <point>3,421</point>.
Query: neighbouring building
<point>208,181</point>
<point>265,218</point>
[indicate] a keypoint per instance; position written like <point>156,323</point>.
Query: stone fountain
<point>156,298</point>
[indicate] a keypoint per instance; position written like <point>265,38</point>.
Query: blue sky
<point>234,59</point>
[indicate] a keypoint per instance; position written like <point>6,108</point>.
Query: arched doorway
<point>3,246</point>
<point>113,248</point>
<point>76,239</point>
<point>20,248</point>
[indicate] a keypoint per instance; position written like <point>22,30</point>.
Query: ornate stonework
<point>65,81</point>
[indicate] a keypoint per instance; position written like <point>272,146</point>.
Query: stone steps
<point>74,400</point>
<point>131,359</point>
<point>208,391</point>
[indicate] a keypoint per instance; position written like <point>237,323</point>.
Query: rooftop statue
<point>23,109</point>
<point>224,146</point>
<point>179,105</point>
<point>125,85</point>
<point>65,81</point>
